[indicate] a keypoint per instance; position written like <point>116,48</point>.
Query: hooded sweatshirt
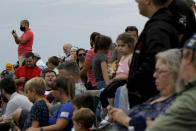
<point>160,33</point>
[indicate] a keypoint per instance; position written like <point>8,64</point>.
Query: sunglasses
<point>81,54</point>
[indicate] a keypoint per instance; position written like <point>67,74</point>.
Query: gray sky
<point>55,22</point>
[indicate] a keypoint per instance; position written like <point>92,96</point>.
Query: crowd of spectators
<point>140,82</point>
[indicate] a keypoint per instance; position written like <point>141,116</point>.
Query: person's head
<point>7,86</point>
<point>9,67</point>
<point>80,53</point>
<point>73,50</point>
<point>53,62</point>
<point>24,25</point>
<point>125,43</point>
<point>149,7</point>
<point>69,68</point>
<point>167,70</point>
<point>67,48</point>
<point>35,88</point>
<point>29,60</point>
<point>191,3</point>
<point>133,31</point>
<point>102,43</point>
<point>84,100</point>
<point>36,56</point>
<point>4,74</point>
<point>63,86</point>
<point>188,64</point>
<point>83,119</point>
<point>49,76</point>
<point>73,53</point>
<point>92,38</point>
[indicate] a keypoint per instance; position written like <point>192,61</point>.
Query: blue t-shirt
<point>39,112</point>
<point>65,112</point>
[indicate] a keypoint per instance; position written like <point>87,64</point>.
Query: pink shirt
<point>27,47</point>
<point>123,67</point>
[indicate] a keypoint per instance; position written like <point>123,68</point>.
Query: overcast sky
<point>55,22</point>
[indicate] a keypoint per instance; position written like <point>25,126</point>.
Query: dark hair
<point>159,2</point>
<point>26,22</point>
<point>29,54</point>
<point>93,36</point>
<point>46,70</point>
<point>71,67</point>
<point>78,50</point>
<point>102,42</point>
<point>65,83</point>
<point>85,117</point>
<point>77,53</point>
<point>126,38</point>
<point>4,72</point>
<point>54,60</point>
<point>84,100</point>
<point>132,28</point>
<point>8,85</point>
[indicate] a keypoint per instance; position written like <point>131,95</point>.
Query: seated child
<point>83,119</point>
<point>125,47</point>
<point>84,101</point>
<point>39,114</point>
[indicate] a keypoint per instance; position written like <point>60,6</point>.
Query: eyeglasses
<point>81,54</point>
<point>158,72</point>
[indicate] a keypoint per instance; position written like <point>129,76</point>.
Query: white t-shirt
<point>16,101</point>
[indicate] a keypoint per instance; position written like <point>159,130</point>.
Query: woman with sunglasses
<point>80,53</point>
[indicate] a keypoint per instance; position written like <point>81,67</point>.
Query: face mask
<point>81,58</point>
<point>4,98</point>
<point>22,28</point>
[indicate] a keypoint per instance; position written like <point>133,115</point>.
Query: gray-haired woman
<point>166,74</point>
